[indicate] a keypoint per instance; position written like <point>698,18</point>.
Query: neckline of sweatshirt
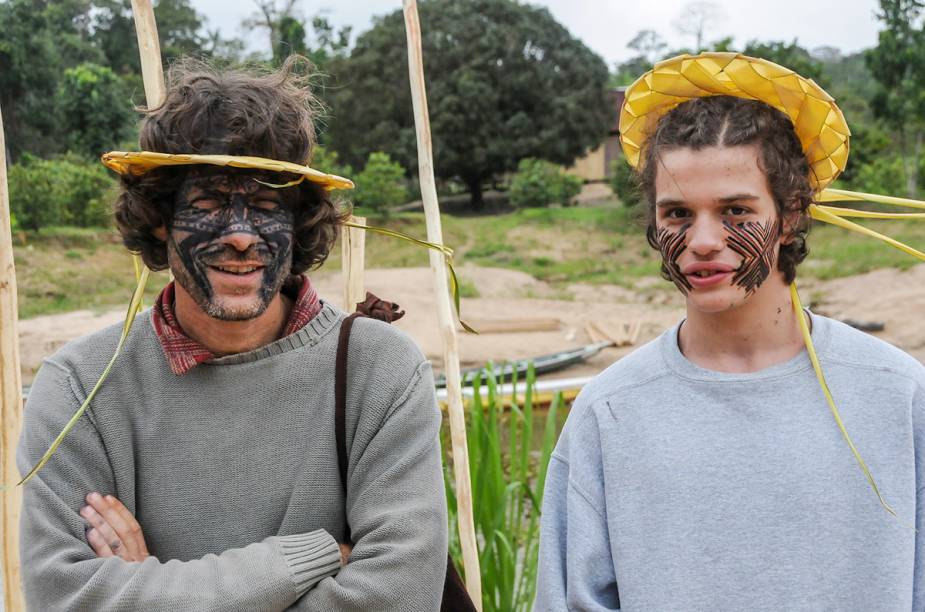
<point>680,365</point>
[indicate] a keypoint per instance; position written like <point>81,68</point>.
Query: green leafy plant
<point>623,182</point>
<point>381,184</point>
<point>508,464</point>
<point>541,183</point>
<point>67,190</point>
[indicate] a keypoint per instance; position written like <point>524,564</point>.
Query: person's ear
<point>160,233</point>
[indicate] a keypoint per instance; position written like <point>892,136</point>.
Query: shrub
<point>381,184</point>
<point>67,190</point>
<point>623,182</point>
<point>541,183</point>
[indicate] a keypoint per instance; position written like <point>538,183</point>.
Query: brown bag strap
<point>455,598</point>
<point>340,397</point>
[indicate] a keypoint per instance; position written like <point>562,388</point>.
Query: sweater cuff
<point>310,556</point>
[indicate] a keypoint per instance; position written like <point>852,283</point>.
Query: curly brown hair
<point>228,112</point>
<point>731,121</point>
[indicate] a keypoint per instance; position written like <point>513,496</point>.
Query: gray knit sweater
<point>231,470</point>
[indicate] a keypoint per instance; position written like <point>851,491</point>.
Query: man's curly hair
<point>731,121</point>
<point>228,112</point>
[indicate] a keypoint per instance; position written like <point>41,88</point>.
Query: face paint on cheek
<point>671,245</point>
<point>756,243</point>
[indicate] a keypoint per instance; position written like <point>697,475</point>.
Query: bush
<point>63,191</point>
<point>541,183</point>
<point>884,175</point>
<point>623,182</point>
<point>381,184</point>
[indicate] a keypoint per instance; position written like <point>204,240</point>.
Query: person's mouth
<point>238,270</point>
<point>707,274</point>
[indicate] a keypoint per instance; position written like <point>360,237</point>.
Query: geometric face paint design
<point>671,245</point>
<point>212,205</point>
<point>755,243</point>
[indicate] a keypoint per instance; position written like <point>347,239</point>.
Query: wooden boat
<point>541,365</point>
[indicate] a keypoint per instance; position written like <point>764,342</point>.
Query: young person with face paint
<point>204,475</point>
<point>703,471</point>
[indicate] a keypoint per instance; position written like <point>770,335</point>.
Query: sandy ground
<point>894,298</point>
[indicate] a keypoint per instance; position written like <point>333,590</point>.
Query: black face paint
<point>671,245</point>
<point>212,205</point>
<point>755,243</point>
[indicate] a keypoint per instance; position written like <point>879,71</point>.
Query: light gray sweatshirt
<point>231,470</point>
<point>673,487</point>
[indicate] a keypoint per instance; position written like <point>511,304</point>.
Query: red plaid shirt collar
<point>183,353</point>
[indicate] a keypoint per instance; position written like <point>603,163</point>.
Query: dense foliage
<point>380,184</point>
<point>67,190</point>
<point>541,183</point>
<point>505,81</point>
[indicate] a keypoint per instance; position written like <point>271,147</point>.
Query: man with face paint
<point>703,471</point>
<point>204,475</point>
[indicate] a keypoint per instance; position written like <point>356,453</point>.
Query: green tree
<point>505,81</point>
<point>95,109</point>
<point>381,184</point>
<point>291,39</point>
<point>39,40</point>
<point>540,183</point>
<point>897,63</point>
<point>790,55</point>
<point>180,31</point>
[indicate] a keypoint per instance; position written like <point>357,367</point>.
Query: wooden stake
<point>352,249</point>
<point>11,398</point>
<point>444,307</point>
<point>149,49</point>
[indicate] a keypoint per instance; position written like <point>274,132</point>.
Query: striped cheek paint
<point>671,245</point>
<point>755,243</point>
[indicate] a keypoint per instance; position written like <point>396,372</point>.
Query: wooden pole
<point>11,409</point>
<point>352,249</point>
<point>445,316</point>
<point>149,49</point>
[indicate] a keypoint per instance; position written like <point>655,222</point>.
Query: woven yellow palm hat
<point>818,122</point>
<point>139,162</point>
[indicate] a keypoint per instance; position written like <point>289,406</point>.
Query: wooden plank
<point>352,249</point>
<point>445,317</point>
<point>11,410</point>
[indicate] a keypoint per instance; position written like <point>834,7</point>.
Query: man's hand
<point>114,532</point>
<point>345,550</point>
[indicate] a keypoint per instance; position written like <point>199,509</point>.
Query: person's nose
<point>239,234</point>
<point>706,237</point>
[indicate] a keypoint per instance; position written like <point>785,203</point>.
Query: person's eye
<point>737,211</point>
<point>677,213</point>
<point>206,203</point>
<point>266,204</point>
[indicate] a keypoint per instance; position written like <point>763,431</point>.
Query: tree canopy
<point>505,81</point>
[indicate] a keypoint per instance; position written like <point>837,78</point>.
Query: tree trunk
<point>475,194</point>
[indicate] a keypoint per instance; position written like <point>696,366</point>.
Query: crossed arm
<point>114,532</point>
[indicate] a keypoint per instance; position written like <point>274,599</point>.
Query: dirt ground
<point>891,297</point>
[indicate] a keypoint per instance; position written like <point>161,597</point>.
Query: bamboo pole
<point>149,49</point>
<point>352,249</point>
<point>11,410</point>
<point>444,307</point>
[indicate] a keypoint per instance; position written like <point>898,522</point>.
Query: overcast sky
<point>606,26</point>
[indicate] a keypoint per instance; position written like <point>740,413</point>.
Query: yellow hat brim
<point>139,162</point>
<point>818,121</point>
